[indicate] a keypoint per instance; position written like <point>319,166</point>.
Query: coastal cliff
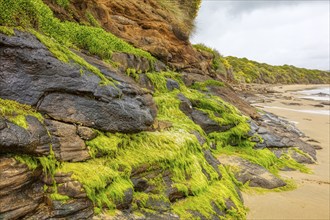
<point>108,112</point>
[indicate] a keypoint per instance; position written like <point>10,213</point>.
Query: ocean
<point>319,94</point>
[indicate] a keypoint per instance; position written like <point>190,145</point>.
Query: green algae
<point>16,112</point>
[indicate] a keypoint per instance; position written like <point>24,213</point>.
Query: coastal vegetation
<point>244,70</point>
<point>168,163</point>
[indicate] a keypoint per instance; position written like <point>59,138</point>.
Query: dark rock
<point>199,117</point>
<point>190,78</point>
<point>157,204</point>
<point>125,203</point>
<point>86,133</point>
<point>200,138</point>
<point>271,140</point>
<point>280,133</point>
<point>300,158</point>
<point>32,75</point>
<point>67,145</point>
<point>185,105</point>
<point>253,128</point>
<point>255,174</point>
<point>33,140</point>
<point>140,184</point>
<point>173,194</point>
<point>172,84</point>
<point>212,161</point>
<point>72,209</point>
<point>145,82</point>
<point>124,115</point>
<point>207,124</point>
<point>317,147</point>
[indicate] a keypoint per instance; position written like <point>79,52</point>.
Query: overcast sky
<point>274,32</point>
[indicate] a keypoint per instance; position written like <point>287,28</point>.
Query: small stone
<point>172,84</point>
<point>86,133</point>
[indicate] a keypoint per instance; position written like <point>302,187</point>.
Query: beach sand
<point>311,199</point>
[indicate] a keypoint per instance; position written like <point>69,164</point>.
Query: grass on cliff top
<point>16,112</point>
<point>181,13</point>
<point>250,71</point>
<point>217,62</point>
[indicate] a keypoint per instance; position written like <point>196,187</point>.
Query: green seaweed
<point>7,30</point>
<point>202,86</point>
<point>16,112</point>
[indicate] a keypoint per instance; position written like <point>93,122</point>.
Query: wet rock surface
<point>245,171</point>
<point>61,91</point>
<point>279,135</point>
<point>199,117</point>
<point>33,140</point>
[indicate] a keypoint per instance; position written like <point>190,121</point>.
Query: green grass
<point>250,71</point>
<point>217,64</point>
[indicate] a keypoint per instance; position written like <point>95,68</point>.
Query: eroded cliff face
<point>160,27</point>
<point>91,127</point>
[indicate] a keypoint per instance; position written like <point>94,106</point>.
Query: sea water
<point>319,94</point>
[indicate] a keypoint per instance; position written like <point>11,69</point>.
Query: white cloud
<point>275,32</point>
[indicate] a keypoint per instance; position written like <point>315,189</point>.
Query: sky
<point>274,32</point>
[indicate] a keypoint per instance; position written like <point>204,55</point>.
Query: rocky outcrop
<point>15,139</point>
<point>256,175</point>
<point>201,118</point>
<point>20,191</point>
<point>159,29</point>
<point>279,135</point>
<point>225,92</point>
<point>62,92</point>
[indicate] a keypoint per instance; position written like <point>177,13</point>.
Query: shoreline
<point>311,198</point>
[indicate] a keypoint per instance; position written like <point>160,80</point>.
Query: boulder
<point>207,124</point>
<point>34,140</point>
<point>245,171</point>
<point>172,84</point>
<point>68,92</point>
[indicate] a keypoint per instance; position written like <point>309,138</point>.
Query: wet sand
<point>311,200</point>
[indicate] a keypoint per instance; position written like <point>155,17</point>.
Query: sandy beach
<point>311,199</point>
